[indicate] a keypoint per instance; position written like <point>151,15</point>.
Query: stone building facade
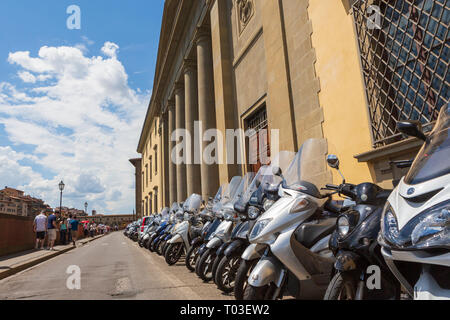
<point>303,67</point>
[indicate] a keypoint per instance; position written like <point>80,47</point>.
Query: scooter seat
<point>310,232</point>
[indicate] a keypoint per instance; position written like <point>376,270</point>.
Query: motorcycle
<point>354,244</point>
<point>415,223</point>
<point>294,233</point>
<point>190,228</point>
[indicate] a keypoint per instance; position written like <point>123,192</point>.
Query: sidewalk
<point>15,263</point>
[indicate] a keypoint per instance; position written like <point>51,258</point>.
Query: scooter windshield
<point>308,165</point>
<point>246,182</point>
<point>432,161</point>
<point>192,204</point>
<point>257,180</point>
<point>282,160</point>
<point>231,190</point>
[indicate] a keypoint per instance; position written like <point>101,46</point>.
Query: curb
<point>27,265</point>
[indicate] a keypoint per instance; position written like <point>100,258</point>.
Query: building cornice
<point>175,18</point>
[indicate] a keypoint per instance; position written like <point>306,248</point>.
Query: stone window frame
<point>245,117</point>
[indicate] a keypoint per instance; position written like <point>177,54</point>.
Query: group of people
<point>92,229</point>
<point>48,226</point>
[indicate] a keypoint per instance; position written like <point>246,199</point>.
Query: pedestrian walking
<point>63,231</point>
<point>40,228</point>
<point>69,229</point>
<point>86,230</point>
<point>74,229</point>
<point>51,230</point>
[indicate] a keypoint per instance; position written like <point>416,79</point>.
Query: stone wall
<point>16,234</point>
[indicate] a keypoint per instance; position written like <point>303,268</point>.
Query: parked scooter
<point>354,244</point>
<point>294,233</point>
<point>265,196</point>
<point>225,274</point>
<point>224,211</point>
<point>210,224</point>
<point>165,227</point>
<point>187,230</point>
<point>156,220</point>
<point>238,222</point>
<point>415,225</point>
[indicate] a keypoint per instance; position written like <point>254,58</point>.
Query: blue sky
<point>72,102</point>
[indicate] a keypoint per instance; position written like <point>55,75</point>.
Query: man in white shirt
<point>40,228</point>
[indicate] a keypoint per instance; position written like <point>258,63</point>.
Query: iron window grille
<point>404,61</point>
<point>259,144</point>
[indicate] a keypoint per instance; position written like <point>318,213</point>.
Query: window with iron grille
<point>405,61</point>
<point>259,144</point>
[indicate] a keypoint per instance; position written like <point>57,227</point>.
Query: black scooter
<point>359,271</point>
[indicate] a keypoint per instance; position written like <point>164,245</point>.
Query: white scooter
<point>415,226</point>
<point>204,265</point>
<point>185,231</point>
<point>294,234</point>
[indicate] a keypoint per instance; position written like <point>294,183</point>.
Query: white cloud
<point>84,127</point>
<point>110,49</point>
<point>27,77</point>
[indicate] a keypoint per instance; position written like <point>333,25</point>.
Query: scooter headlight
<point>259,227</point>
<point>343,226</point>
<point>253,213</point>
<point>267,204</point>
<point>389,224</point>
<point>433,229</point>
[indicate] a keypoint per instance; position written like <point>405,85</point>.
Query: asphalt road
<point>112,267</point>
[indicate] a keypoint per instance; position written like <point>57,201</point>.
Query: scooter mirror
<point>277,171</point>
<point>333,161</point>
<point>411,128</point>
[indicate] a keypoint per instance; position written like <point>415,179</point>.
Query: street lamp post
<point>61,188</point>
<point>85,207</point>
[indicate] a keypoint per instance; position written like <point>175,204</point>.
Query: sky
<point>73,101</point>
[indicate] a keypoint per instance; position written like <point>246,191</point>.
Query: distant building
<point>94,212</point>
<point>15,202</point>
<point>109,220</point>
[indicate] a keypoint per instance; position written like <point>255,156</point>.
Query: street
<point>112,267</point>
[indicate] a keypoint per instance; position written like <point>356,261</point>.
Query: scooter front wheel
<point>204,267</point>
<point>244,271</point>
<point>160,247</point>
<point>259,293</point>
<point>192,257</point>
<point>225,275</point>
<point>173,253</point>
<point>341,287</point>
